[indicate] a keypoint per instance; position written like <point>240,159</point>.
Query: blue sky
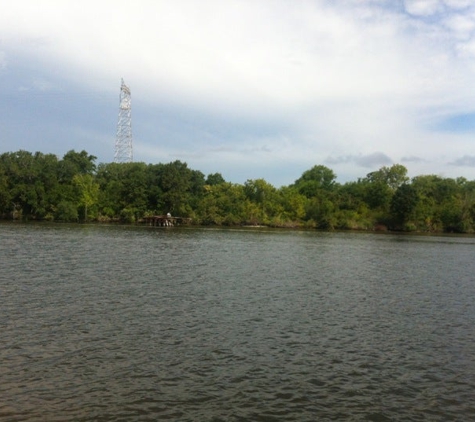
<point>250,89</point>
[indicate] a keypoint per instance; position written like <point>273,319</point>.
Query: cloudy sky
<point>248,88</point>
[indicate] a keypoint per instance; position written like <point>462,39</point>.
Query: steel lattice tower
<point>123,142</point>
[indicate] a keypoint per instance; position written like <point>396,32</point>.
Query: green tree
<point>5,197</point>
<point>76,163</point>
<point>293,204</point>
<point>393,176</point>
<point>31,182</point>
<point>313,181</point>
<point>445,204</point>
<point>222,204</point>
<point>467,204</point>
<point>88,191</point>
<point>377,195</point>
<point>124,190</point>
<point>322,212</point>
<point>179,187</point>
<point>378,188</point>
<point>214,179</point>
<point>263,201</point>
<point>66,211</point>
<point>403,205</point>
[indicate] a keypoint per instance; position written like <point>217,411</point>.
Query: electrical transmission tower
<point>123,142</point>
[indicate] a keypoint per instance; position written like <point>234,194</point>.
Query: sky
<point>246,88</point>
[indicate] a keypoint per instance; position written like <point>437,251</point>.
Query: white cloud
<point>3,60</point>
<point>458,4</point>
<point>466,160</point>
<point>373,160</point>
<point>423,7</point>
<point>333,79</point>
<point>233,52</point>
<point>462,25</point>
<point>412,159</point>
<point>467,49</point>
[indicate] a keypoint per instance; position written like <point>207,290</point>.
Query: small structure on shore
<point>165,220</point>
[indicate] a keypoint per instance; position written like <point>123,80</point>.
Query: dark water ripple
<point>121,324</point>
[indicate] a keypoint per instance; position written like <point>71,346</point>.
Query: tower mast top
<point>123,143</point>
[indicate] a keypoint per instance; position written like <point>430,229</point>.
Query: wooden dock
<point>165,221</point>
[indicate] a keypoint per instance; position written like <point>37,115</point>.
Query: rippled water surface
<point>103,323</point>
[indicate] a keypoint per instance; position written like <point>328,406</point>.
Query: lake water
<point>108,323</point>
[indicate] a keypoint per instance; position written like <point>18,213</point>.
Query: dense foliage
<point>43,187</point>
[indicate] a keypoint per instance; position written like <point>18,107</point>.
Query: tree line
<point>73,188</point>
